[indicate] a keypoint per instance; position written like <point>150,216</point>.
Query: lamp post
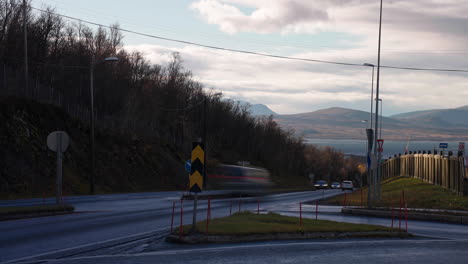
<point>377,105</point>
<point>372,91</point>
<point>91,85</point>
<point>381,117</point>
<point>370,171</point>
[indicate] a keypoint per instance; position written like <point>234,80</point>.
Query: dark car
<point>321,185</point>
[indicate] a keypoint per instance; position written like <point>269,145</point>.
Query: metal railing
<point>446,171</point>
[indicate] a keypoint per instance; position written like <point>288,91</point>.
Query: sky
<point>415,33</point>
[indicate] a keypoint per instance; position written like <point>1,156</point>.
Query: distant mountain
<point>343,123</point>
<point>457,117</point>
<point>258,109</point>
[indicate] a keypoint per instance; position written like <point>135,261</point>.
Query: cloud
<point>292,86</point>
<point>409,25</point>
<point>417,33</point>
<point>266,18</point>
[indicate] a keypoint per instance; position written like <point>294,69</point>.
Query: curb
<point>201,238</point>
<point>456,219</point>
<point>8,217</point>
<point>63,253</point>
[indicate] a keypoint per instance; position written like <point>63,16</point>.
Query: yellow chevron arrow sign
<point>197,168</point>
<point>198,153</point>
<point>197,179</point>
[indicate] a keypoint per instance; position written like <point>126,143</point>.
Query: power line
<point>257,41</point>
<point>246,51</point>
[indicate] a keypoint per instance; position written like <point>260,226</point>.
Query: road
<point>112,216</point>
<point>425,251</point>
<point>105,217</point>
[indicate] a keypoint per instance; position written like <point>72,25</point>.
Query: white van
<point>347,185</point>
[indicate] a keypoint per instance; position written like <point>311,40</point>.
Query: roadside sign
<point>370,139</point>
<point>380,145</point>
<point>369,162</point>
<point>58,141</point>
<point>443,145</point>
<point>461,146</point>
<point>197,167</point>
<point>188,165</point>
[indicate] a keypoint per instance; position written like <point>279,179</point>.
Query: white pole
<point>59,167</point>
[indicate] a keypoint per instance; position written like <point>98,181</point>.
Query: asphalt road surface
<point>389,251</point>
<point>107,217</point>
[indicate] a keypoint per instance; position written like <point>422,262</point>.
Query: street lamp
<point>91,85</point>
<point>372,91</point>
<point>377,102</point>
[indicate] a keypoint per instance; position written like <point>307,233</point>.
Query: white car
<point>347,185</point>
<point>335,185</point>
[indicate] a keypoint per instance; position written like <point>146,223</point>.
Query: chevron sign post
<point>196,176</point>
<point>198,161</point>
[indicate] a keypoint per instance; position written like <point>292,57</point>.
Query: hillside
<point>343,123</point>
<point>457,117</point>
<point>122,165</point>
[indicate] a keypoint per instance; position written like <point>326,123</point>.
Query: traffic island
<point>247,227</point>
<point>19,212</point>
<point>424,215</point>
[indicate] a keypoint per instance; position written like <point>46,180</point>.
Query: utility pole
<point>25,31</point>
<point>91,85</point>
<point>377,169</point>
<point>204,139</point>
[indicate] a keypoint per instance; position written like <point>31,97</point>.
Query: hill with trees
<point>147,115</point>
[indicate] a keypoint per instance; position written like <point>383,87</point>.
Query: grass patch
<point>418,194</point>
<point>17,210</point>
<point>247,223</point>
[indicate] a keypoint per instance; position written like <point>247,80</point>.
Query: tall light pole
<point>92,116</point>
<point>370,138</point>
<point>372,91</point>
<point>381,117</point>
<point>25,32</point>
<point>377,105</point>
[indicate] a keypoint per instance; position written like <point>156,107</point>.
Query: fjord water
<point>358,147</point>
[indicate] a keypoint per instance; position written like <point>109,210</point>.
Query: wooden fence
<point>445,171</point>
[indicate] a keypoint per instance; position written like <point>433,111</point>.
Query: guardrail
<point>446,171</point>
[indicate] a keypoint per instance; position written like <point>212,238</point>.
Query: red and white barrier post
<point>208,214</point>
<point>300,213</point>
<point>316,210</point>
<point>399,217</point>
<point>361,197</point>
<point>392,215</point>
<point>181,218</point>
<point>172,219</point>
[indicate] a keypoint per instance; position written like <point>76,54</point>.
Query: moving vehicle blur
<point>239,179</point>
<point>321,184</point>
